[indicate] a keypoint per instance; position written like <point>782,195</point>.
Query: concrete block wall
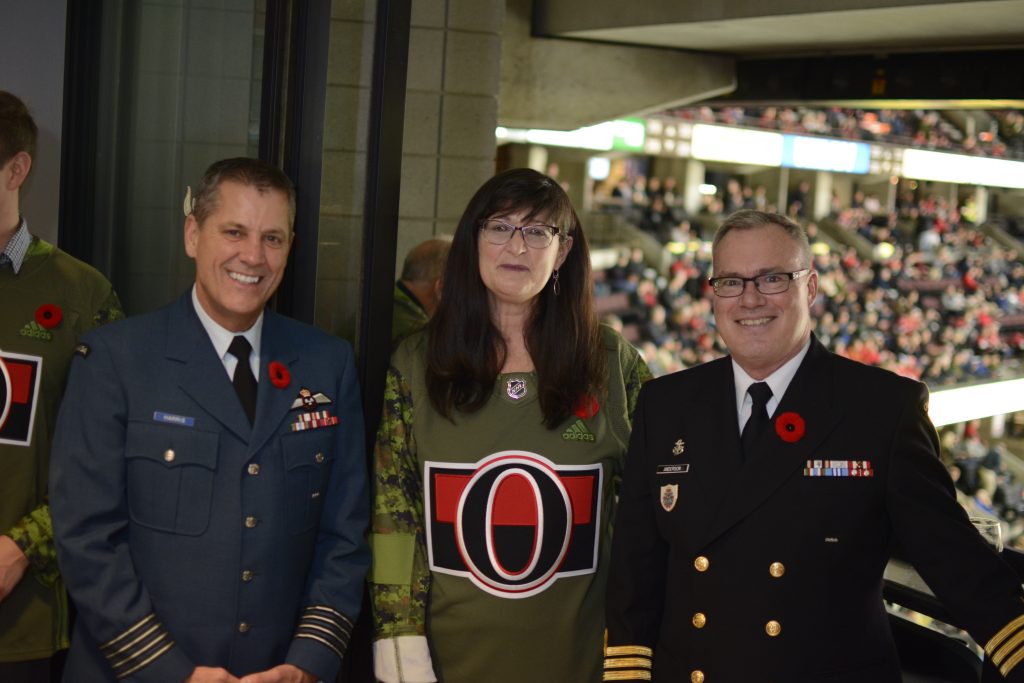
<point>451,113</point>
<point>448,140</point>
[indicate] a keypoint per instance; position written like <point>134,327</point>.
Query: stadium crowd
<point>1002,133</point>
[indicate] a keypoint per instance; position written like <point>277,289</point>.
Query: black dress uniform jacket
<point>771,570</point>
<point>188,537</point>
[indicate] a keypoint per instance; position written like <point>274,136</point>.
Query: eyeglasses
<point>769,283</point>
<point>499,232</point>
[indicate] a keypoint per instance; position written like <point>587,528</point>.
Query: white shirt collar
<point>778,382</point>
<point>222,337</point>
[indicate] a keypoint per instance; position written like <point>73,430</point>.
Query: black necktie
<point>244,381</point>
<point>759,392</point>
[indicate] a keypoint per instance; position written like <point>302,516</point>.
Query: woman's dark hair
<point>465,350</point>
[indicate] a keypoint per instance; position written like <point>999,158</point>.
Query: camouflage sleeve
<point>108,310</point>
<point>400,577</point>
<point>638,374</point>
<point>34,535</point>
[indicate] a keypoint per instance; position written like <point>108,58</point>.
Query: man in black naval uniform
<point>759,557</point>
<point>209,482</point>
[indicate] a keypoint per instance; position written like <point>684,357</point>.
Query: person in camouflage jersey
<point>419,288</point>
<point>503,436</point>
<point>49,300</point>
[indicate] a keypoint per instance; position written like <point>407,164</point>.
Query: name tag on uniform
<point>682,468</point>
<point>171,418</point>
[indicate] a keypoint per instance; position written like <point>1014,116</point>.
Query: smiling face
<point>763,331</point>
<point>514,273</point>
<point>240,252</point>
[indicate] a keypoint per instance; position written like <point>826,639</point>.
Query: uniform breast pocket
<point>170,473</point>
<point>307,463</point>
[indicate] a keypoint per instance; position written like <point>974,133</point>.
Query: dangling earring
<point>554,282</point>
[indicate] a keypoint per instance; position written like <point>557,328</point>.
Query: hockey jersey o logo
<point>5,393</point>
<point>20,377</point>
<point>514,522</point>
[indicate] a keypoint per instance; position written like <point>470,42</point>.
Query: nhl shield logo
<point>515,388</point>
<point>669,496</point>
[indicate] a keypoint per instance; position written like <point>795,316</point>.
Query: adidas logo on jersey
<point>578,432</point>
<point>34,329</point>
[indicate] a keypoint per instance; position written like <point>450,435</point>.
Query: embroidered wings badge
<point>309,401</point>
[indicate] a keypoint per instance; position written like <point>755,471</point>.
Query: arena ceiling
<point>868,52</point>
<point>796,27</point>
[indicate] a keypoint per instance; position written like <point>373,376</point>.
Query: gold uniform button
<point>773,628</point>
<point>776,569</point>
<point>169,455</point>
<point>243,627</point>
<point>250,522</point>
<point>699,620</point>
<point>253,469</point>
<point>247,575</point>
<point>701,564</point>
<point>697,676</point>
<point>319,457</point>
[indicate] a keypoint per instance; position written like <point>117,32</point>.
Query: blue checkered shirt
<point>13,254</point>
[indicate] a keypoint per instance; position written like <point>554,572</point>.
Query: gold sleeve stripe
<point>627,675</point>
<point>111,656</point>
<point>627,663</point>
<point>1008,647</point>
<point>324,620</point>
<point>140,651</point>
<point>1013,661</point>
<point>321,641</point>
<point>145,662</point>
<point>331,610</point>
<point>1003,634</point>
<point>128,632</point>
<point>628,650</point>
<point>321,629</point>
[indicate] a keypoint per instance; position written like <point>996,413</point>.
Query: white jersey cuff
<point>405,659</point>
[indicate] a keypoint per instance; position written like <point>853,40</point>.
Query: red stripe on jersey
<point>581,491</point>
<point>21,380</point>
<point>448,489</point>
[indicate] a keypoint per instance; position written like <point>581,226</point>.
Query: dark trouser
<point>33,670</point>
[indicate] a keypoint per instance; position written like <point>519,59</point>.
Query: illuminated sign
<point>825,155</point>
<point>959,168</point>
<point>950,406</point>
<point>718,143</point>
<point>622,134</point>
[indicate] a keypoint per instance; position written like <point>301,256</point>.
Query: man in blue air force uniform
<point>208,479</point>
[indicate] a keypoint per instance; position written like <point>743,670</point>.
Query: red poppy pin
<point>279,375</point>
<point>49,316</point>
<point>586,407</point>
<point>790,427</point>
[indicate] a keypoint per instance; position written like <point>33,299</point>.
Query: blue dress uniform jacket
<point>771,570</point>
<point>188,537</point>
